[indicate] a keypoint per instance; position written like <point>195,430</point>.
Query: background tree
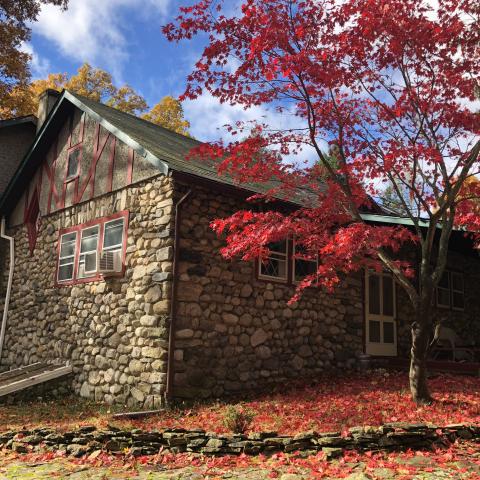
<point>168,113</point>
<point>391,84</point>
<point>15,16</point>
<point>98,85</point>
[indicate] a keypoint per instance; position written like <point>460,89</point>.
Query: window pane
<point>91,262</point>
<point>458,300</point>
<point>304,268</point>
<point>274,267</point>
<point>444,281</point>
<point>89,240</point>
<point>388,332</point>
<point>67,247</point>
<point>374,330</point>
<point>457,282</point>
<point>72,169</point>
<point>65,272</point>
<point>280,247</point>
<point>388,296</point>
<point>113,233</point>
<point>374,294</point>
<point>443,297</point>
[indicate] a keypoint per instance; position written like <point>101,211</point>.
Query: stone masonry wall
<point>114,332</point>
<point>236,333</point>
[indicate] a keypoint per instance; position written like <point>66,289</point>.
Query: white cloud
<point>94,30</point>
<point>39,66</point>
<point>208,117</point>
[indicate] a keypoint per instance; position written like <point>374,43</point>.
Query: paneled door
<point>380,313</point>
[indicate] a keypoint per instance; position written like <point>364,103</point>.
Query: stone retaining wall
<point>87,439</point>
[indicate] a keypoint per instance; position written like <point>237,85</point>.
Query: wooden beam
<point>50,373</point>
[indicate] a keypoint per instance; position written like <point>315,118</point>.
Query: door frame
<point>380,349</point>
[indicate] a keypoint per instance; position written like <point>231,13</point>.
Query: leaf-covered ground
<point>331,403</point>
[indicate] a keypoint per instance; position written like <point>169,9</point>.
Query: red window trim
<point>290,281</point>
<point>78,229</point>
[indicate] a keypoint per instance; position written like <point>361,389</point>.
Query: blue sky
<point>124,37</point>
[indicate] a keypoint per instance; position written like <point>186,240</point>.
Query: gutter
<point>173,300</point>
<point>9,284</point>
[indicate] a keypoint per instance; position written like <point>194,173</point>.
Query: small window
<point>87,265</point>
<point>443,291</point>
<point>458,291</point>
<point>66,262</point>
<point>275,265</point>
<point>302,265</point>
<point>73,163</point>
<point>113,237</point>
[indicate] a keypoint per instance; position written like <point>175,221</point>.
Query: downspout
<point>9,284</point>
<point>173,299</point>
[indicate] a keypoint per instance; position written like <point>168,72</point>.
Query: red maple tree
<point>387,87</point>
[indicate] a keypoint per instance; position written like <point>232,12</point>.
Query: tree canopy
<point>169,111</point>
<point>98,85</point>
<point>15,17</point>
<point>390,83</point>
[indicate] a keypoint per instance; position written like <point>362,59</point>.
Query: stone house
<point>117,272</point>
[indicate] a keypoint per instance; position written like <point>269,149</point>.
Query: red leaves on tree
<point>388,84</point>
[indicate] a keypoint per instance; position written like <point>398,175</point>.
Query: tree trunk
<point>421,330</point>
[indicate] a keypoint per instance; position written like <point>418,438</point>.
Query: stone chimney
<point>46,101</point>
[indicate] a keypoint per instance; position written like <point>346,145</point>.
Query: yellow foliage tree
<point>90,82</point>
<point>98,85</point>
<point>168,113</point>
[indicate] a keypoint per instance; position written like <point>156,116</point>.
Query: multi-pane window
<point>458,291</point>
<point>87,265</point>
<point>451,291</point>
<point>80,247</point>
<point>66,260</point>
<point>303,265</point>
<point>287,262</point>
<point>113,237</point>
<point>274,266</point>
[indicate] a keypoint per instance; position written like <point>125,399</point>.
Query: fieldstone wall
<point>87,439</point>
<point>114,332</point>
<point>236,333</point>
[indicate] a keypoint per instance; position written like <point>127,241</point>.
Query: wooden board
<point>30,375</point>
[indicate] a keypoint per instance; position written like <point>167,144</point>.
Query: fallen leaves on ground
<point>329,404</point>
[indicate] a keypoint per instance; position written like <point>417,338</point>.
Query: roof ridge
<point>121,112</point>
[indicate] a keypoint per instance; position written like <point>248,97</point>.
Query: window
<point>81,246</point>
<point>443,291</point>
<point>287,262</point>
<point>73,163</point>
<point>302,264</point>
<point>451,291</point>
<point>113,237</point>
<point>87,265</point>
<point>275,265</point>
<point>458,291</point>
<point>66,260</point>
